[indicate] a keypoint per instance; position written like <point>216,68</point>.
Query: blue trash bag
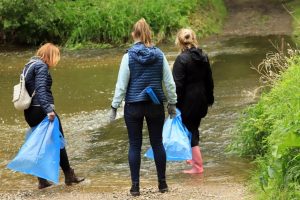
<point>176,140</point>
<point>152,95</point>
<point>40,154</point>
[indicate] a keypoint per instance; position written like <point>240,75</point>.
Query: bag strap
<point>24,75</point>
<point>33,62</point>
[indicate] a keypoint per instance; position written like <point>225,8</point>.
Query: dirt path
<point>256,17</point>
<point>207,191</point>
<point>245,18</point>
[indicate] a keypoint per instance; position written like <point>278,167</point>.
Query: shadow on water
<point>83,88</point>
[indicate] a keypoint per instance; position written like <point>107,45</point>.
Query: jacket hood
<point>197,54</point>
<point>144,55</point>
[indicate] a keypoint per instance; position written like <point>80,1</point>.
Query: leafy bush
<point>270,132</point>
<point>30,22</point>
<point>84,21</point>
<point>251,132</point>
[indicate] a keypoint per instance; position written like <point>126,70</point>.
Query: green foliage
<point>252,131</point>
<point>110,22</point>
<point>294,7</point>
<point>209,17</point>
<point>270,132</point>
<point>25,21</point>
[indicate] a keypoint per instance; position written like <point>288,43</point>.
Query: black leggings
<point>192,126</point>
<point>35,115</point>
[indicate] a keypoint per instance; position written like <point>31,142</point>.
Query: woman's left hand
<point>172,110</point>
<point>51,116</point>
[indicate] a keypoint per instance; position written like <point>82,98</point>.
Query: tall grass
<point>111,22</point>
<point>269,131</point>
<point>107,22</point>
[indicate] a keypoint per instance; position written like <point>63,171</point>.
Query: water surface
<point>83,89</point>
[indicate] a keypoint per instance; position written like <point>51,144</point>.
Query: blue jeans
<point>134,114</point>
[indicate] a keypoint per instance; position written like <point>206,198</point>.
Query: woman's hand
<point>112,114</point>
<point>172,110</point>
<point>51,116</point>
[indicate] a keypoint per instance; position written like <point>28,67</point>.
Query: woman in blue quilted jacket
<point>38,84</point>
<point>144,66</point>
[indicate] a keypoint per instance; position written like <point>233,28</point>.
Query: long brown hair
<point>142,31</point>
<point>186,38</point>
<point>49,53</point>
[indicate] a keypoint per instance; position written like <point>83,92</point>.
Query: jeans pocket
<point>131,110</point>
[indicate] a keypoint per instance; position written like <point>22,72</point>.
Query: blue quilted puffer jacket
<point>146,70</point>
<point>38,79</point>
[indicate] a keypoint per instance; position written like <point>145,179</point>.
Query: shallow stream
<point>83,88</point>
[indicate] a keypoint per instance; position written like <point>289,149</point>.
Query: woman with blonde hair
<point>38,84</point>
<point>144,66</point>
<point>194,87</point>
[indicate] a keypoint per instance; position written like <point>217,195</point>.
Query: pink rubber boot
<point>198,163</point>
<point>189,162</point>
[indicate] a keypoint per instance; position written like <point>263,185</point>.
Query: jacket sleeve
<point>41,75</point>
<point>179,74</point>
<point>122,82</point>
<point>209,83</point>
<point>169,82</point>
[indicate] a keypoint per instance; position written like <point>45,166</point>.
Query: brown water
<point>83,88</point>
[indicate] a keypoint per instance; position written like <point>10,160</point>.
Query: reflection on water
<point>83,88</point>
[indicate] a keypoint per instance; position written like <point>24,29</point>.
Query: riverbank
<point>268,131</point>
<point>213,191</point>
<point>103,24</point>
<point>256,17</point>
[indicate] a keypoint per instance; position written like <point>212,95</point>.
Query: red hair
<point>49,53</point>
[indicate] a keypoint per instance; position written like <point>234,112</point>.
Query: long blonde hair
<point>49,53</point>
<point>185,39</point>
<point>142,31</point>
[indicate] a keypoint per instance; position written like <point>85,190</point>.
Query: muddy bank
<point>256,17</point>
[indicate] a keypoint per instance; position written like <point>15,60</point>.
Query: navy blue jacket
<point>146,70</point>
<point>38,79</point>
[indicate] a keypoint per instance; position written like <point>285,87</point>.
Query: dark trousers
<point>134,114</point>
<point>192,126</point>
<point>35,115</point>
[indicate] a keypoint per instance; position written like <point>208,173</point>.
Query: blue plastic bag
<point>40,154</point>
<point>152,95</point>
<point>176,140</point>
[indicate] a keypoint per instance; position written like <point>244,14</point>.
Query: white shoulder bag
<point>21,98</point>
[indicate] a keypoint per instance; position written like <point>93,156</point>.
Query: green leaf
<point>271,172</point>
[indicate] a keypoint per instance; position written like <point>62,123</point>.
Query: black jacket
<point>194,83</point>
<point>39,80</point>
